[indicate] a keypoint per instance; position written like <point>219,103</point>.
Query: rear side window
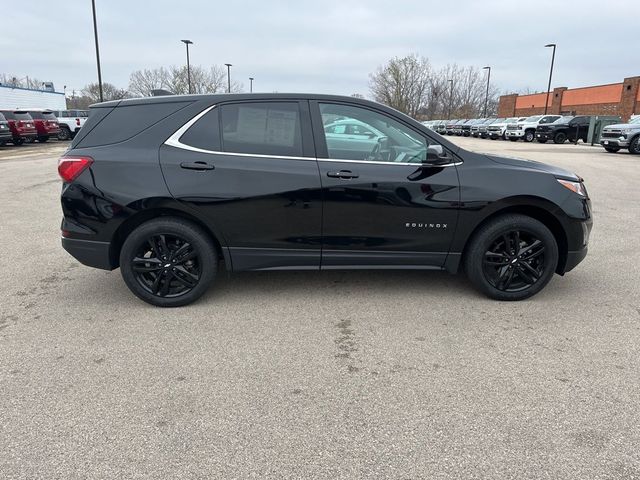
<point>205,133</point>
<point>263,128</point>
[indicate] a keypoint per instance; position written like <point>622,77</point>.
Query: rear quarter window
<point>205,133</point>
<point>108,126</point>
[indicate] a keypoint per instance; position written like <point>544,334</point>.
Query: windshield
<point>49,116</point>
<point>533,118</point>
<point>635,119</point>
<point>566,119</point>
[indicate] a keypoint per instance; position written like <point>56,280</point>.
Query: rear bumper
<point>89,252</point>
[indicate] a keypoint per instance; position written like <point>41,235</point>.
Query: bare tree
<point>175,80</point>
<point>10,80</point>
<point>109,92</point>
<point>402,83</point>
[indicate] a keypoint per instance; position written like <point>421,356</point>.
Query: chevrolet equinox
<point>166,187</point>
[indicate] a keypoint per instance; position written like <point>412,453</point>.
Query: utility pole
<point>228,77</point>
<point>553,57</point>
<point>95,34</point>
<point>486,98</point>
<point>450,99</point>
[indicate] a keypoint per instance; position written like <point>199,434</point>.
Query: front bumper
<point>515,133</point>
<point>89,252</point>
<point>614,142</point>
<point>494,134</point>
<point>544,136</point>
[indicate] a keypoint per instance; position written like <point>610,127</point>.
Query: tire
<point>179,281</point>
<point>65,134</point>
<point>503,276</point>
<point>43,139</point>
<point>634,146</point>
<point>612,149</point>
<point>18,141</point>
<point>529,136</point>
<point>559,138</point>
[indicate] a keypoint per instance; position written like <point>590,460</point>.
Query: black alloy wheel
<point>514,261</point>
<point>512,257</point>
<point>166,265</point>
<point>168,262</point>
<point>64,134</point>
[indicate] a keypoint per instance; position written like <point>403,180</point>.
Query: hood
<point>623,125</point>
<point>533,165</point>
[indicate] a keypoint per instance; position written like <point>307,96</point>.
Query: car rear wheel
<point>511,258</point>
<point>560,137</point>
<point>634,146</point>
<point>612,149</point>
<point>65,134</point>
<point>168,262</point>
<point>18,141</point>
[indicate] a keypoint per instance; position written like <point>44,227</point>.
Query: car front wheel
<point>512,257</point>
<point>634,146</point>
<point>560,137</point>
<point>168,262</point>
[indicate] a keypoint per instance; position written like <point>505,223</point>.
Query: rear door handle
<point>346,174</point>
<point>197,166</point>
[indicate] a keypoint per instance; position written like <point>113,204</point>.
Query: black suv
<point>563,129</point>
<point>165,187</point>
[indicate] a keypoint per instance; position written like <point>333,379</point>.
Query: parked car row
<point>543,128</point>
<point>26,126</point>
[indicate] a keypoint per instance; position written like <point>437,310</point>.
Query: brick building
<point>621,99</point>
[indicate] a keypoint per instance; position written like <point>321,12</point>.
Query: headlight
<point>575,187</point>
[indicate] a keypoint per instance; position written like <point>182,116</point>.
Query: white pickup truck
<point>526,129</point>
<point>71,121</point>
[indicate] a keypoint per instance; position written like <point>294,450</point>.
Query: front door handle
<point>197,166</point>
<point>346,174</point>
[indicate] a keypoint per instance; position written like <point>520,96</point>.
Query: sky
<point>322,46</point>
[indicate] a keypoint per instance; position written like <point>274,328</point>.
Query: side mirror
<point>436,155</point>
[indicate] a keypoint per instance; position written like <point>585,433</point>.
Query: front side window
<point>549,119</point>
<point>263,128</point>
<point>369,136</point>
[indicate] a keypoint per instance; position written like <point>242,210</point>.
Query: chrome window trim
<point>174,141</point>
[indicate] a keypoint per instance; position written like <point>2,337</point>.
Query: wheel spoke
<point>184,248</point>
<point>532,271</point>
<point>142,265</point>
<point>532,251</point>
<point>187,276</point>
<point>525,275</point>
<point>156,283</point>
<point>166,283</point>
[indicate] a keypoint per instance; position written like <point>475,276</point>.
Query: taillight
<point>70,167</point>
<point>20,124</point>
<point>78,122</point>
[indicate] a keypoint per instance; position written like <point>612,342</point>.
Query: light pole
<point>250,84</point>
<point>450,99</point>
<point>95,34</point>
<point>486,98</point>
<point>187,43</point>
<point>553,57</point>
<point>228,77</point>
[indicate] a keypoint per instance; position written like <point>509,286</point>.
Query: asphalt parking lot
<point>320,375</point>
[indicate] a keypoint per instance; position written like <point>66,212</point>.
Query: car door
<point>382,206</point>
<point>249,168</point>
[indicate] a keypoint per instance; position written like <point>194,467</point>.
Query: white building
<point>18,97</point>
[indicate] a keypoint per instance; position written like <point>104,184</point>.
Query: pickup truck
<point>498,129</point>
<point>622,135</point>
<point>563,129</point>
<point>70,121</point>
<point>526,129</point>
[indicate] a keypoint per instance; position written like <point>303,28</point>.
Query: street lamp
<point>95,34</point>
<point>187,43</point>
<point>250,84</point>
<point>450,99</point>
<point>228,77</point>
<point>553,57</point>
<point>486,98</point>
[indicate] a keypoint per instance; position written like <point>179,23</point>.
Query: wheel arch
<point>536,211</point>
<point>134,221</point>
